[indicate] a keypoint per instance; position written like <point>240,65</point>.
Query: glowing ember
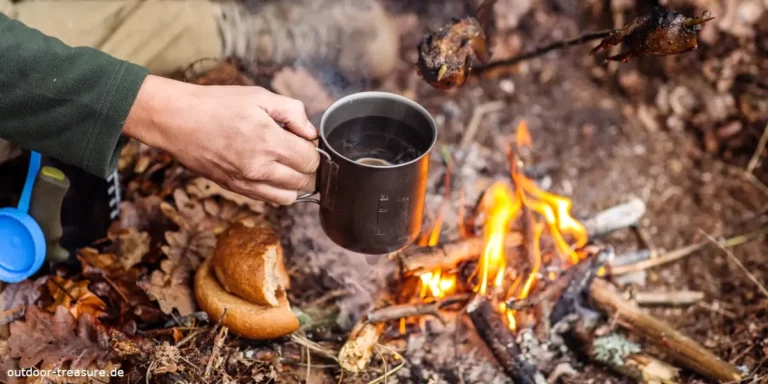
<point>436,284</point>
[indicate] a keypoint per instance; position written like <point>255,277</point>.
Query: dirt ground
<point>676,132</point>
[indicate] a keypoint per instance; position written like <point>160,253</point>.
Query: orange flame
<point>523,136</point>
<point>501,207</point>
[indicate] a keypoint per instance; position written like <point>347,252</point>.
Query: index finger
<point>290,112</point>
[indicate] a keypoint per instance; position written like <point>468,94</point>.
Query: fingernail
<point>312,128</point>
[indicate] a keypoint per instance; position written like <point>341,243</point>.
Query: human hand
<point>231,135</point>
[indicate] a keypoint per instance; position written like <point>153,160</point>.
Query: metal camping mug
<point>366,207</point>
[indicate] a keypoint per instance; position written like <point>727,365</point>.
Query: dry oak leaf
<point>203,188</point>
<point>132,245</point>
<point>58,339</point>
<point>102,266</point>
<point>199,222</point>
<point>21,294</point>
<point>65,292</point>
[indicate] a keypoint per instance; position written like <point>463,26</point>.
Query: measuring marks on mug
<point>392,211</point>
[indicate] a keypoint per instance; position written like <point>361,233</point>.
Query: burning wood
<point>448,256</point>
<point>397,312</point>
<point>490,326</point>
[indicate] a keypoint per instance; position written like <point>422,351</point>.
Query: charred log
<point>491,328</point>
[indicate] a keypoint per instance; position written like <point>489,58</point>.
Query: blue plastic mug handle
<point>26,193</point>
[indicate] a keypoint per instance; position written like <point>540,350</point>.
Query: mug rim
<point>378,94</point>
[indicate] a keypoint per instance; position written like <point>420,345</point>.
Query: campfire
<point>523,264</point>
<point>552,241</point>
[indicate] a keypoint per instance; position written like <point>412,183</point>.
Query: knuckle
<point>297,106</point>
<point>256,172</point>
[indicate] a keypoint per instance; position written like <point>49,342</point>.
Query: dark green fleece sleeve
<point>69,103</point>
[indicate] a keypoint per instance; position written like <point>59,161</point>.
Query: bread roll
<point>248,262</point>
<point>251,321</point>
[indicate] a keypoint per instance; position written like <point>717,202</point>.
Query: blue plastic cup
<point>22,243</point>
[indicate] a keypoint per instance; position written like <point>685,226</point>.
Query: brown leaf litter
<point>57,339</point>
<point>75,296</point>
<point>199,223</point>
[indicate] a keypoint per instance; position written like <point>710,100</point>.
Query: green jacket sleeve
<point>69,103</point>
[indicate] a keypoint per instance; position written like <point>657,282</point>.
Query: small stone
<point>507,85</point>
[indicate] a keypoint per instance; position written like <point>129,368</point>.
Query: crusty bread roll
<point>243,318</point>
<point>248,262</point>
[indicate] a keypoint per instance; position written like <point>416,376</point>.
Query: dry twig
<point>676,298</point>
<point>758,151</point>
<point>739,264</point>
<point>477,117</point>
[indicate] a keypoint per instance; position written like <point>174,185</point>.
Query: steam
<point>343,43</point>
<point>312,254</point>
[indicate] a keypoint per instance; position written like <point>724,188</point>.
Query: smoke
<point>316,258</point>
<point>344,43</point>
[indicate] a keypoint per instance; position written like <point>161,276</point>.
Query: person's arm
<point>66,102</point>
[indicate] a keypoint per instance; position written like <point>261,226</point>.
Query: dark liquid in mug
<point>379,141</point>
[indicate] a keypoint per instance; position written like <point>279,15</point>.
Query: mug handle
<point>307,197</point>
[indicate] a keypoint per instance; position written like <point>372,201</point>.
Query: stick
<point>685,251</point>
<point>679,298</point>
<point>758,151</point>
<point>680,348</point>
<point>396,312</point>
<point>491,328</point>
<point>621,355</point>
<point>579,324</point>
<point>477,118</point>
<point>448,256</point>
<point>655,262</point>
<point>585,38</point>
<point>739,264</point>
<point>423,259</point>
<point>615,218</point>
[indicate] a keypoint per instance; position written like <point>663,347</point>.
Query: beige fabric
<point>163,35</point>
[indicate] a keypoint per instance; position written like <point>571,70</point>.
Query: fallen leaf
<point>199,223</point>
<point>65,292</point>
<point>110,280</point>
<point>57,339</point>
<point>299,84</point>
<point>21,294</point>
<point>166,359</point>
<point>203,188</point>
<point>132,245</point>
<point>122,345</point>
